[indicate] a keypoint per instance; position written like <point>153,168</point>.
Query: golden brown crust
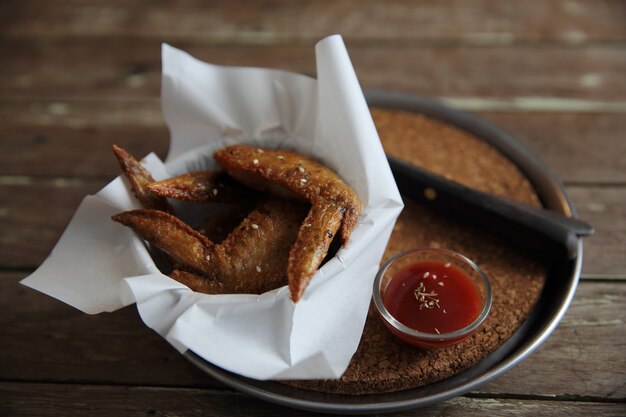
<point>253,258</point>
<point>311,246</point>
<point>287,174</point>
<point>218,226</point>
<point>197,283</point>
<point>291,175</point>
<point>201,187</point>
<point>139,178</point>
<point>180,242</point>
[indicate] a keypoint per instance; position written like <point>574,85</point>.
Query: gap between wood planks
<point>520,104</point>
<point>251,38</point>
<point>226,390</point>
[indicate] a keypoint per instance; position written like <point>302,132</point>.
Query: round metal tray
<point>553,302</point>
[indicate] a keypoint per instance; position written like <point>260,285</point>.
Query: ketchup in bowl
<point>432,297</point>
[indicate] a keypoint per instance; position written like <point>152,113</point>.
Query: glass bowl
<point>460,268</point>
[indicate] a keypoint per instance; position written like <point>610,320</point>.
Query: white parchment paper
<point>99,265</point>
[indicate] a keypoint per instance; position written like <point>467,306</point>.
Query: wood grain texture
<point>54,151</point>
<point>80,400</point>
<point>604,208</point>
<point>44,340</point>
<point>581,148</point>
<point>33,214</point>
<point>51,69</point>
<point>69,138</point>
<point>76,76</point>
<point>578,357</point>
<point>479,22</point>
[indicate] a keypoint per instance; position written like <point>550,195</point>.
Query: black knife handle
<point>531,227</point>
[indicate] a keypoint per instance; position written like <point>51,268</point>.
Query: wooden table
<point>76,76</point>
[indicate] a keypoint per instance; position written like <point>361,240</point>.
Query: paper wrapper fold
<point>99,265</point>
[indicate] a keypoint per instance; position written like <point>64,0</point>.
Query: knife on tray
<point>533,228</point>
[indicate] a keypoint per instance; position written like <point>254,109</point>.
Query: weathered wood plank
<point>484,21</point>
<point>100,69</point>
<point>79,400</point>
<point>82,114</point>
<point>28,232</point>
<point>43,339</point>
<point>73,138</point>
<point>33,214</point>
<point>75,152</point>
<point>95,348</point>
<point>580,357</point>
<point>581,148</point>
<point>604,208</point>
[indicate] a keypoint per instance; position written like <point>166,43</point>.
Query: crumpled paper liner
<point>99,265</point>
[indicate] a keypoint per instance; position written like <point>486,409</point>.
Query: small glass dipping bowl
<point>389,270</point>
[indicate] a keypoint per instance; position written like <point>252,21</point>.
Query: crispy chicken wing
<point>252,259</point>
<point>139,178</point>
<point>197,283</point>
<point>203,187</point>
<point>335,206</point>
<point>219,225</point>
<point>183,245</point>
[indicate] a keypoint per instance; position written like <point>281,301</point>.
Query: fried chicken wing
<point>252,259</point>
<point>335,206</point>
<point>139,178</point>
<point>182,244</point>
<point>197,283</point>
<point>219,225</point>
<point>202,187</point>
<point>311,246</point>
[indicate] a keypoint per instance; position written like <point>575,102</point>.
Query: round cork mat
<point>382,363</point>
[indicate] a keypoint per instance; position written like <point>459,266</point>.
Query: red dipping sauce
<point>432,297</point>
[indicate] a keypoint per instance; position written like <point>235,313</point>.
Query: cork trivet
<point>382,363</point>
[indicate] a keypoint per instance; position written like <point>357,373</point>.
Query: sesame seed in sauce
<point>426,274</point>
<point>258,268</point>
<point>448,265</point>
<point>301,169</point>
<point>441,283</point>
<point>255,226</point>
<point>437,330</point>
<point>215,191</point>
<point>280,157</point>
<point>255,161</point>
<point>208,257</point>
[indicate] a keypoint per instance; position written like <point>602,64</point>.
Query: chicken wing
<point>335,206</point>
<point>252,259</point>
<point>197,283</point>
<point>183,245</point>
<point>139,178</point>
<point>203,187</point>
<point>219,225</point>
